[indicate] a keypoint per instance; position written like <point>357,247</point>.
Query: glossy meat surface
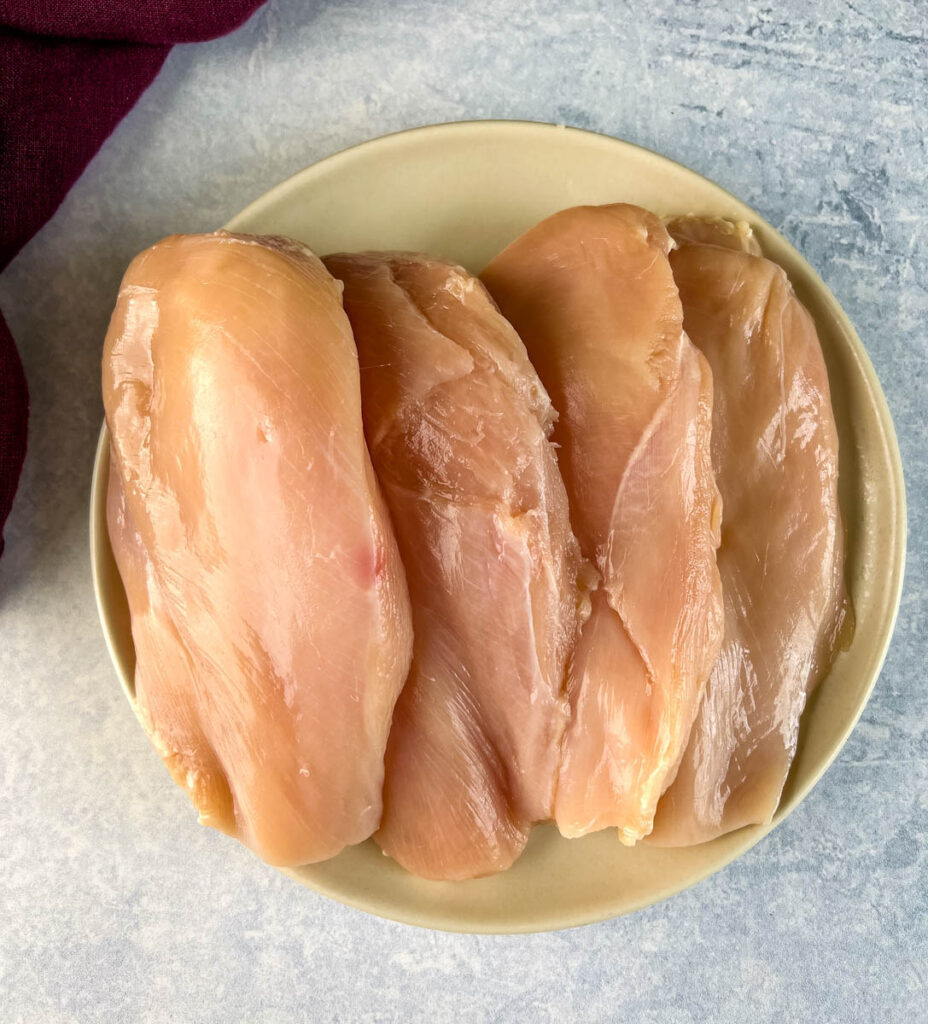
<point>591,292</point>
<point>457,423</point>
<point>725,234</point>
<point>269,606</point>
<point>775,450</point>
<point>163,672</point>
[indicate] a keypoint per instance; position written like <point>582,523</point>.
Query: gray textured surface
<point>113,904</point>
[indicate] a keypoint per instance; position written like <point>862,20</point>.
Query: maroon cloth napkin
<point>70,70</point>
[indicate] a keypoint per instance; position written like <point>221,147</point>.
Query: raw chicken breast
<point>775,452</point>
<point>591,293</point>
<point>269,606</point>
<point>163,670</point>
<point>457,423</point>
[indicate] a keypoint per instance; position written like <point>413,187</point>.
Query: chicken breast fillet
<point>269,607</point>
<point>457,423</point>
<point>591,292</point>
<point>775,452</point>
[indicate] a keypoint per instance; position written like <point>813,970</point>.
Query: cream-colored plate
<point>463,191</point>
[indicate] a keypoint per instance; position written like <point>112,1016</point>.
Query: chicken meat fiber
<point>591,293</point>
<point>775,452</point>
<point>269,607</point>
<point>457,424</point>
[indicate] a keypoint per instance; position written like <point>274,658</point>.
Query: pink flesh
<point>775,451</point>
<point>591,292</point>
<point>163,663</point>
<point>269,606</point>
<point>457,423</point>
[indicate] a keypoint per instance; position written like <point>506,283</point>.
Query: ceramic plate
<point>463,191</point>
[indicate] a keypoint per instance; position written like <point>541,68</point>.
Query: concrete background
<point>114,905</point>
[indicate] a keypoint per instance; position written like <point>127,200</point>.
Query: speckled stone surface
<point>114,905</point>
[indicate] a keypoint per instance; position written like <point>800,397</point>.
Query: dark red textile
<point>146,21</point>
<point>69,72</point>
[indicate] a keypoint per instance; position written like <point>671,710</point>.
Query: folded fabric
<point>162,23</point>
<point>69,72</point>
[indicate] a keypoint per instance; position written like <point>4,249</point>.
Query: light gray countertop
<point>114,904</point>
